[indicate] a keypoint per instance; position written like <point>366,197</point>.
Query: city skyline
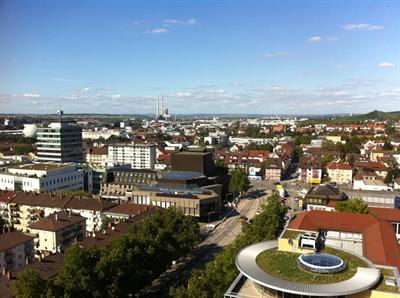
<point>291,57</point>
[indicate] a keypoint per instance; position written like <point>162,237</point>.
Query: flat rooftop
<point>181,175</point>
<point>41,166</point>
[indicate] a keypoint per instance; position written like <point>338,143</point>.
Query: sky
<point>242,57</point>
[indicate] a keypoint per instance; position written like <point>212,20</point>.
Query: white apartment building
<point>56,231</point>
<point>42,177</point>
<point>139,156</point>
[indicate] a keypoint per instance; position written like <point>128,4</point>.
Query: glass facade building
<point>60,142</point>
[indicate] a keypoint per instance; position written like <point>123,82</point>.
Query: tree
<point>254,146</point>
<point>105,220</point>
<point>392,174</point>
<point>239,182</point>
<point>355,205</point>
<point>387,145</point>
<point>77,277</point>
<point>269,223</point>
<point>29,284</point>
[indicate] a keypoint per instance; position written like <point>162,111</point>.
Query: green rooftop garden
<point>291,234</point>
<point>382,286</point>
<point>386,274</point>
<point>284,265</point>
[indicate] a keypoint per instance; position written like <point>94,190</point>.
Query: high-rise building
<point>60,142</point>
<point>139,156</point>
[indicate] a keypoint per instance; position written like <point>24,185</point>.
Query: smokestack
<point>158,105</point>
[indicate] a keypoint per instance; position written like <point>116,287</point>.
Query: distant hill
<point>378,115</point>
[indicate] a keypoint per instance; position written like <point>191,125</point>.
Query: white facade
<point>376,185</point>
<point>139,156</point>
<point>36,177</point>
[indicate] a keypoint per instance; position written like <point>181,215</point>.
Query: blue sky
<point>202,56</point>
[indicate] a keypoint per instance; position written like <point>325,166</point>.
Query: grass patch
<point>284,265</point>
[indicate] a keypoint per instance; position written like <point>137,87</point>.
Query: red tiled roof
<point>259,153</point>
<point>7,196</point>
<point>131,209</point>
<point>93,204</point>
<point>98,150</point>
<point>379,240</point>
<point>388,214</point>
<point>57,221</point>
<point>12,239</point>
<point>339,166</point>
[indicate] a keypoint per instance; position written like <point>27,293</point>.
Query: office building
<point>60,142</point>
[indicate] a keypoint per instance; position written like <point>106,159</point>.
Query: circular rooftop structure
<point>363,279</point>
<point>321,263</point>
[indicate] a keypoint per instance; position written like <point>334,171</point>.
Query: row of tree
<point>218,274</point>
<point>124,267</point>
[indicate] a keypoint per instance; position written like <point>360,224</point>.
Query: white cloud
<point>116,96</point>
<point>279,53</point>
<point>367,27</point>
<point>319,39</point>
<point>315,39</point>
<point>180,94</point>
<point>191,21</point>
<point>30,95</point>
<point>386,65</point>
<point>157,31</point>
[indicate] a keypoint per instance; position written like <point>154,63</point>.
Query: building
<point>335,139</point>
<point>5,214</point>
<point>26,208</point>
<point>60,142</point>
<point>42,177</point>
<point>273,169</point>
<point>126,211</point>
<point>56,231</point>
<point>92,209</point>
<point>16,251</point>
<point>340,172</point>
<point>325,246</point>
<point>123,175</point>
<point>375,185</point>
<point>391,215</point>
<point>139,156</point>
<point>310,169</point>
<point>201,162</point>
<point>194,201</point>
<point>323,197</point>
<point>384,199</point>
<point>97,155</point>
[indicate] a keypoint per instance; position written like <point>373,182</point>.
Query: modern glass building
<point>60,142</point>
